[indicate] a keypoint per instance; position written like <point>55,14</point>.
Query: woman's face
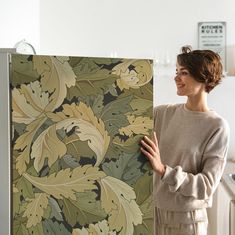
<point>186,85</point>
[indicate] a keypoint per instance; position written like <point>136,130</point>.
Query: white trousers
<point>180,223</point>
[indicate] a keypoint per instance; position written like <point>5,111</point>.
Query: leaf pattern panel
<point>76,127</point>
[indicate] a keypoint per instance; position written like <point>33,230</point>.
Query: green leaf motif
<point>147,207</point>
<point>86,66</point>
<point>125,168</point>
<point>54,228</point>
<point>113,117</point>
<point>143,229</point>
<point>84,210</point>
<point>105,61</point>
<point>90,79</point>
<point>16,204</point>
<point>112,90</point>
<point>74,61</point>
<point>147,226</point>
<point>144,184</point>
<point>55,209</point>
<point>19,226</point>
<point>144,92</point>
<point>19,128</point>
<point>25,187</point>
<point>77,149</point>
<point>140,106</point>
<point>36,230</point>
<point>98,105</point>
<point>69,161</point>
<point>118,147</point>
<point>22,70</point>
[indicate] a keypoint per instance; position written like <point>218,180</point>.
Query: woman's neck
<point>197,103</point>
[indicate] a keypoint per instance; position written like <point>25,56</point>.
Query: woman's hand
<point>151,151</point>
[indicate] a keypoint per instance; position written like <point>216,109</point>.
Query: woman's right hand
<point>151,150</point>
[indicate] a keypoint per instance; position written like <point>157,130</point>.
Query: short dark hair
<point>204,65</point>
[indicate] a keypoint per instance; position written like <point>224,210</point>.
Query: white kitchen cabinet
<point>232,218</point>
<point>223,204</point>
<point>222,214</point>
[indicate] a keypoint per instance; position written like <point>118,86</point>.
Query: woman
<point>189,148</point>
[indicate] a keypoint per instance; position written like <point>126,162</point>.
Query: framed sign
<point>212,36</point>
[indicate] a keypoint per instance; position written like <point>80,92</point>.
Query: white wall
<point>97,28</point>
<point>132,28</point>
<point>19,20</point>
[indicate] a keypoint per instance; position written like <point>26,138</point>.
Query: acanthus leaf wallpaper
<point>76,127</point>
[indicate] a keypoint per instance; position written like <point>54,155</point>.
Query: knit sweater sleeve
<point>203,184</point>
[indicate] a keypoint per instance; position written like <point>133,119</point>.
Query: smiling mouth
<point>180,85</point>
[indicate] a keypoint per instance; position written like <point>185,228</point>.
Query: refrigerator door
<point>4,143</point>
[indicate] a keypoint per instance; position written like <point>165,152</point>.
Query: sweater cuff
<point>173,177</point>
<point>165,178</point>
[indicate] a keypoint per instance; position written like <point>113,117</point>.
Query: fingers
<point>155,138</point>
<point>147,147</point>
<point>146,153</point>
<point>151,143</point>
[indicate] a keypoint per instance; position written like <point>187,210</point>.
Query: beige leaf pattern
<point>24,143</point>
<point>88,127</point>
<point>28,102</point>
<point>138,125</point>
<point>118,200</point>
<point>56,76</point>
<point>22,160</point>
<point>95,130</point>
<point>35,209</point>
<point>22,111</point>
<point>35,96</point>
<point>133,78</point>
<point>66,182</point>
<point>82,231</point>
<point>86,131</point>
<point>99,228</point>
<point>47,145</point>
<point>14,189</point>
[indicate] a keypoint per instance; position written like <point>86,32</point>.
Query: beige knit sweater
<point>193,146</point>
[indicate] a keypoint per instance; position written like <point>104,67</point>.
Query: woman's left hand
<point>151,151</point>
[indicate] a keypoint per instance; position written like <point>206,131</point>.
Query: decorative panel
<point>76,127</point>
